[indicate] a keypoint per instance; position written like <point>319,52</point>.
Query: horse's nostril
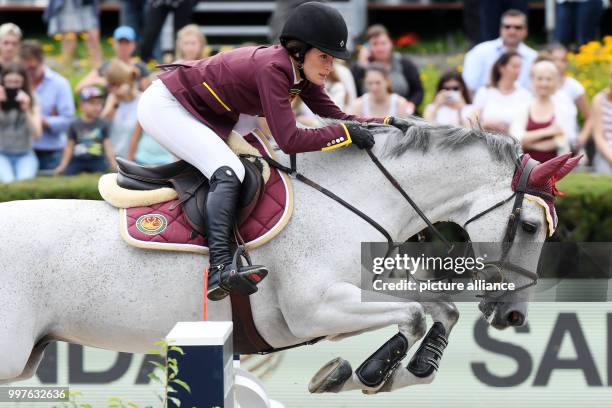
<point>516,318</point>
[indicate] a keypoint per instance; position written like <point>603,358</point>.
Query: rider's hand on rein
<point>361,137</point>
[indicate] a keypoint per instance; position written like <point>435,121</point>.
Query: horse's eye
<point>529,227</point>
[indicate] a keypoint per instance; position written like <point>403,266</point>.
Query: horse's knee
<point>453,313</point>
<point>450,314</point>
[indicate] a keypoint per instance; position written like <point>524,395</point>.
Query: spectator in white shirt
<point>497,104</point>
<point>479,60</point>
<point>574,91</point>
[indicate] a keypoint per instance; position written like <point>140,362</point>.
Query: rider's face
<point>317,66</point>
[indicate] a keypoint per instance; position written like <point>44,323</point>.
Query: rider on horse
<point>194,106</point>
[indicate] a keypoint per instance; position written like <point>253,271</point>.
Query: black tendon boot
<point>226,272</point>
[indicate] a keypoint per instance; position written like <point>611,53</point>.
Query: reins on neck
<point>399,188</point>
<point>299,176</point>
<point>391,244</point>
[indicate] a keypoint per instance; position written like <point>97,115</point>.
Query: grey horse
<point>66,274</point>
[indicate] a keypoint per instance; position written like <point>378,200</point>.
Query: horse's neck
<point>444,183</point>
<point>447,184</point>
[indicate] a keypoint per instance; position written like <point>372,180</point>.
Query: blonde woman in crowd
<point>121,111</point>
<point>544,126</point>
<point>190,43</point>
<point>378,99</point>
<point>497,104</point>
<point>602,128</point>
<point>10,39</point>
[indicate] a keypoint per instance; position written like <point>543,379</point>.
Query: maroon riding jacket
<point>257,81</point>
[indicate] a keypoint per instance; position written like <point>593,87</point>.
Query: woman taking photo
<point>497,104</point>
<point>193,108</point>
<point>451,105</point>
<point>20,124</point>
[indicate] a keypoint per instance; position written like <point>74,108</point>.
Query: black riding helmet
<point>320,26</point>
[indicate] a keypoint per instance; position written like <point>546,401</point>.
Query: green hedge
<point>585,212</point>
<point>83,187</point>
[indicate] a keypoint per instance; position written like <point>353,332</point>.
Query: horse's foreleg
<point>424,364</point>
<point>341,313</point>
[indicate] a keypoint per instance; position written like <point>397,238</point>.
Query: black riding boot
<point>226,273</point>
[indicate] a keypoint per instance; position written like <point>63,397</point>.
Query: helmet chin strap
<point>298,61</point>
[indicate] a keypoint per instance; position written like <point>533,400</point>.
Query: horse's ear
<point>543,172</point>
<point>568,166</point>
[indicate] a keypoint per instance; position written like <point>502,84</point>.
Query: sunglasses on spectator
<point>516,27</point>
<point>451,88</point>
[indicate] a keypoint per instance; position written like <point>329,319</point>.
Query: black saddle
<point>191,186</point>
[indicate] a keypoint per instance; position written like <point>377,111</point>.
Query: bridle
<point>502,264</point>
<point>511,228</point>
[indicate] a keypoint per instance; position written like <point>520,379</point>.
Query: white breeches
<point>173,127</point>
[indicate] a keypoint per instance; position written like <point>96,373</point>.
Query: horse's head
<point>511,236</point>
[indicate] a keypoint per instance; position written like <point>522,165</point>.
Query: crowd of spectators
<point>505,86</point>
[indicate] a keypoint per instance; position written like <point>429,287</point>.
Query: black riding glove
<point>361,137</point>
<point>399,123</point>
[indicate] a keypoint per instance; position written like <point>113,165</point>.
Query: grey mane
<point>422,136</point>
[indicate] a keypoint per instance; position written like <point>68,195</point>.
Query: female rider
<point>193,107</point>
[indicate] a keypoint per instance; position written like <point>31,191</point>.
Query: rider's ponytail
<point>296,48</point>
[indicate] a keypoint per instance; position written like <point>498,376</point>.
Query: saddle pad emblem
<point>151,224</point>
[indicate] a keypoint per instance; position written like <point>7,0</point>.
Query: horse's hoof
<point>331,377</point>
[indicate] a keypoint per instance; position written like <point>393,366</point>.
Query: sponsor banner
<point>561,358</point>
